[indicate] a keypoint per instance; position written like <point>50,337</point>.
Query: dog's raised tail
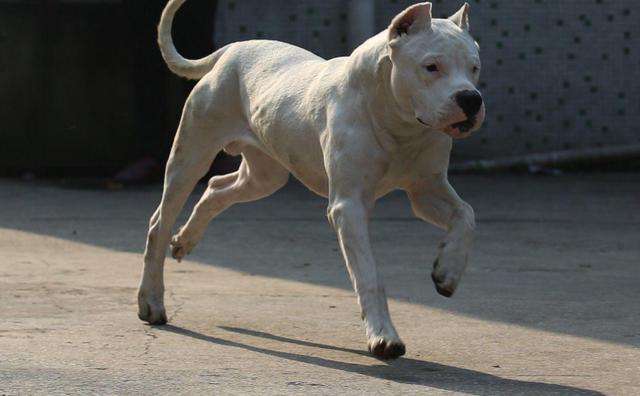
<point>193,69</point>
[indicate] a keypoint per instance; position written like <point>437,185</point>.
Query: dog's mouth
<point>462,129</point>
<point>464,126</point>
<point>458,130</point>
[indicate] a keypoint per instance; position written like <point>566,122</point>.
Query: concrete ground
<point>550,303</point>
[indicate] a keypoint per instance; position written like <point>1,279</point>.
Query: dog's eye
<point>476,69</point>
<point>432,68</point>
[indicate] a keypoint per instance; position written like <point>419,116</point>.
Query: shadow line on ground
<point>403,370</point>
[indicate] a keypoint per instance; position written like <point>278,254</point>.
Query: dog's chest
<point>415,158</point>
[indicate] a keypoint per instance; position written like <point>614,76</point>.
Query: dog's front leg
<point>434,200</point>
<point>352,181</point>
<point>349,217</point>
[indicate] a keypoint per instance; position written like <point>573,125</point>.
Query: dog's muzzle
<point>470,102</point>
<point>468,114</point>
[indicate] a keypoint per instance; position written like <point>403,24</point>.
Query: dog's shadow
<point>403,370</point>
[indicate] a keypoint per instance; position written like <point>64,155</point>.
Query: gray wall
<point>557,75</point>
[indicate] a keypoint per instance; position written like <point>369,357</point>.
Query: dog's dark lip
<point>464,126</point>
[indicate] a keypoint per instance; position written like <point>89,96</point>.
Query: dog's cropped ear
<point>413,19</point>
<point>461,18</point>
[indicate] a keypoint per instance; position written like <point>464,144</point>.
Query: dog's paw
<point>151,311</point>
<point>439,282</point>
<point>180,247</point>
<point>386,348</point>
<point>447,271</point>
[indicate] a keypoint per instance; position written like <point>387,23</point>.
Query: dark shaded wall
<point>83,88</point>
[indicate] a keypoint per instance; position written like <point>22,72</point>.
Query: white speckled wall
<point>557,75</point>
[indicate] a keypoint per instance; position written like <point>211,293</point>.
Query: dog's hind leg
<point>193,150</point>
<point>259,176</point>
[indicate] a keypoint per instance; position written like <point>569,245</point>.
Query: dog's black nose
<point>469,101</point>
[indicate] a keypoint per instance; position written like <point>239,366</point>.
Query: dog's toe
<point>178,250</point>
<point>387,349</point>
<point>378,348</point>
<point>155,315</point>
<point>394,350</point>
<point>443,287</point>
<point>151,308</point>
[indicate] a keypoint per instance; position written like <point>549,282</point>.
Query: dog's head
<point>436,65</point>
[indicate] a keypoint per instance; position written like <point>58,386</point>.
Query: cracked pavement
<point>549,304</point>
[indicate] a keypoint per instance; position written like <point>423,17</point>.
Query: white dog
<point>351,129</point>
